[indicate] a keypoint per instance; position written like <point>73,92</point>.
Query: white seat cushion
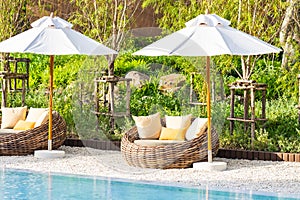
<point>9,131</point>
<point>156,142</point>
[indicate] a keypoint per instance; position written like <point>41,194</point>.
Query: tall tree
<point>14,17</point>
<point>290,34</point>
<point>105,20</point>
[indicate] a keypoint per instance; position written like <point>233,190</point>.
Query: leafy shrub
<point>149,99</point>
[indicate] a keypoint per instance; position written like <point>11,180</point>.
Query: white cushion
<point>148,127</point>
<point>178,122</point>
<point>196,129</point>
<point>42,119</point>
<point>156,142</point>
<point>9,131</point>
<point>34,114</point>
<point>10,116</point>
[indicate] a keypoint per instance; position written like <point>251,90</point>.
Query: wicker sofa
<point>180,155</point>
<point>25,142</point>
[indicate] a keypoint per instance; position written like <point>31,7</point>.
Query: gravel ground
<point>242,175</point>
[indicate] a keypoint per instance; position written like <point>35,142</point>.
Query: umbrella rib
<point>72,42</point>
<point>182,43</point>
<point>227,46</point>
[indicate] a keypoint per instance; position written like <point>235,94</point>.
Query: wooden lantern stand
<point>10,77</point>
<point>104,94</point>
<point>249,87</point>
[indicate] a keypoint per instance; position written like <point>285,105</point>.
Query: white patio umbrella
<point>208,35</point>
<point>53,36</point>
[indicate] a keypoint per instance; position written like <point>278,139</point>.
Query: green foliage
<point>280,81</point>
<point>126,62</point>
<point>149,99</point>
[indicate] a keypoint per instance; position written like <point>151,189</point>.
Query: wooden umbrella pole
<point>209,148</point>
<point>50,102</point>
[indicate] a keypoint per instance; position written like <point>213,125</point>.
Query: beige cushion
<point>10,116</point>
<point>172,134</point>
<point>178,122</point>
<point>42,119</point>
<point>148,127</point>
<point>156,142</point>
<point>197,128</point>
<point>34,114</point>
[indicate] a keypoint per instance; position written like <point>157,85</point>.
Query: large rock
<point>138,78</point>
<point>171,82</point>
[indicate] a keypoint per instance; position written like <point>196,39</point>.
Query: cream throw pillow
<point>178,122</point>
<point>34,114</point>
<point>197,128</point>
<point>148,127</point>
<point>10,116</point>
<point>42,119</point>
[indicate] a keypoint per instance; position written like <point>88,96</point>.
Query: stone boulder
<point>171,82</point>
<point>138,78</point>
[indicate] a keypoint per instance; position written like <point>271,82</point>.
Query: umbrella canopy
<point>208,35</point>
<point>53,36</point>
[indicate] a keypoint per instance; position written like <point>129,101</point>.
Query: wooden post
<point>246,109</point>
<point>263,106</point>
<point>15,79</point>
<point>4,92</point>
<point>96,100</point>
<point>104,93</point>
<point>27,71</point>
<point>23,91</point>
<point>252,116</point>
<point>191,87</point>
<point>231,110</point>
<point>112,105</point>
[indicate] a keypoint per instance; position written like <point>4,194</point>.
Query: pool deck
<point>241,175</point>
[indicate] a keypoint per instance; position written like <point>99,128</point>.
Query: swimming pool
<point>17,184</point>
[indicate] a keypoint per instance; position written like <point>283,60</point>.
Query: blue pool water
<point>16,184</point>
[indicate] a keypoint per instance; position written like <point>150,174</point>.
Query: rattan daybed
<point>25,142</point>
<point>180,155</point>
